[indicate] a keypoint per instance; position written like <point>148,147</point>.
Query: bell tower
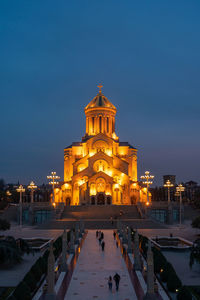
<point>100,116</point>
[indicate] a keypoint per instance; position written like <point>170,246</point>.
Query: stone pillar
<point>110,125</point>
<point>102,124</point>
<point>136,251</point>
<point>76,233</point>
<point>50,295</point>
<point>64,252</point>
<point>72,248</point>
<point>86,125</point>
<point>129,250</point>
<point>150,294</point>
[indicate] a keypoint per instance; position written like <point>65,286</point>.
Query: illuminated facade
<point>100,169</point>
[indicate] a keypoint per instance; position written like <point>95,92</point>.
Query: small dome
<point>100,101</point>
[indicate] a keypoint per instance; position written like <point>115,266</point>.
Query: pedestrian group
<point>116,277</point>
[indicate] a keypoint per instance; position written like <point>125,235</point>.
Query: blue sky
<point>54,54</point>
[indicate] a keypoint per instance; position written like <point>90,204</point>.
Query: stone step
<point>102,224</point>
<point>100,212</point>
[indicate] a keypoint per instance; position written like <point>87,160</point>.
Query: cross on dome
<point>100,87</point>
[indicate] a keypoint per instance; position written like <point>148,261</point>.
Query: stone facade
<point>100,170</point>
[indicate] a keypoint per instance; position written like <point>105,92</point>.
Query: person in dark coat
<point>110,283</point>
<point>117,280</point>
<point>100,239</point>
<point>102,245</point>
<point>97,233</point>
<point>102,235</point>
<point>114,235</point>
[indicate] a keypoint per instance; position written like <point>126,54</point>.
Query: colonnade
<point>100,124</point>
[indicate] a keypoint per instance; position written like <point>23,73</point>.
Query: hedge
<point>4,224</point>
<point>22,291</point>
<point>162,266</point>
<point>29,283</point>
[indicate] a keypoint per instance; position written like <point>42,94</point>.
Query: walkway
<point>89,280</point>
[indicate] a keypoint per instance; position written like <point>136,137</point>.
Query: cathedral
<point>100,170</point>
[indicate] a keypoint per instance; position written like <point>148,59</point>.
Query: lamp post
<point>179,189</point>
<point>147,179</point>
<point>168,185</point>
<point>53,177</point>
<point>20,190</point>
<point>32,187</point>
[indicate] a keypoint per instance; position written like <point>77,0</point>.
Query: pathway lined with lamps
<point>90,277</point>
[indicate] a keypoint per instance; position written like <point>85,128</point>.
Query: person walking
<point>114,235</point>
<point>110,283</point>
<point>117,280</point>
<point>102,235</point>
<point>102,245</point>
<point>97,233</point>
<point>100,239</point>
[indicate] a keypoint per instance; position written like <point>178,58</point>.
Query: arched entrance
<point>68,200</point>
<point>109,200</point>
<point>101,199</point>
<point>93,200</point>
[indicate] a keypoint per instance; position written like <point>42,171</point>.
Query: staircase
<point>100,212</point>
<point>99,217</point>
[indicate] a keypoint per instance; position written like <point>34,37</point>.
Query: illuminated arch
<point>100,165</point>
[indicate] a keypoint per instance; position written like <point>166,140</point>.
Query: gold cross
<point>100,87</point>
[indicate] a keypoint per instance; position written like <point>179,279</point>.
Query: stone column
<point>50,295</point>
<point>86,125</point>
<point>150,294</point>
<point>129,250</point>
<point>64,252</point>
<point>76,233</point>
<point>136,251</point>
<point>72,248</point>
<point>110,125</point>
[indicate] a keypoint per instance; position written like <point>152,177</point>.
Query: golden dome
<point>100,101</point>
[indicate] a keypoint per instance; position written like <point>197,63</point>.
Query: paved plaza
<point>89,280</point>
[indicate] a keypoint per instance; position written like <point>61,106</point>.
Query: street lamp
<point>32,187</point>
<point>53,182</point>
<point>179,189</point>
<point>147,180</point>
<point>168,185</point>
<point>20,190</point>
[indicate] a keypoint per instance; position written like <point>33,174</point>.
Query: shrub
<point>173,283</point>
<point>196,222</point>
<point>36,271</point>
<point>184,294</point>
<point>30,280</point>
<point>22,292</point>
<point>3,204</point>
<point>4,224</point>
<point>167,272</point>
<point>42,264</point>
<point>57,246</point>
<point>159,260</point>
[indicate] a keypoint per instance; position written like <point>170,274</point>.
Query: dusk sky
<point>53,54</point>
